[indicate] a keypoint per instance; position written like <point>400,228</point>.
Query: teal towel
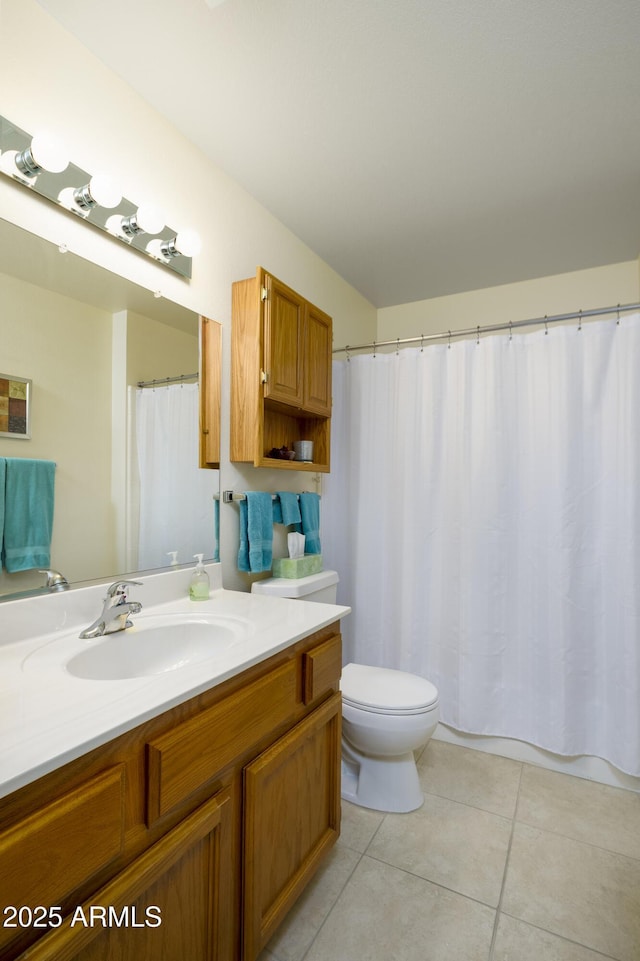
<point>310,511</point>
<point>256,532</point>
<point>3,474</point>
<point>286,510</point>
<point>28,513</point>
<point>216,528</point>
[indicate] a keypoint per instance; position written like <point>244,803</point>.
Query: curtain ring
<point>449,344</point>
<point>374,350</point>
<point>510,331</point>
<point>397,346</point>
<point>546,325</point>
<point>580,320</point>
<point>421,343</point>
<point>346,350</point>
<point>618,317</point>
<point>478,335</point>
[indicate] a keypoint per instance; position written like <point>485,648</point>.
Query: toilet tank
<point>316,587</point>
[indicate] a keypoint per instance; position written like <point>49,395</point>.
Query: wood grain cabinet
<point>280,373</point>
<point>190,836</point>
<point>210,373</point>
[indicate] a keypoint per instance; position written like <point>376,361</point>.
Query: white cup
<point>303,450</point>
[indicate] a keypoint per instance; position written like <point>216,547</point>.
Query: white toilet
<point>386,716</point>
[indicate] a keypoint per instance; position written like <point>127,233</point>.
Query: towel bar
<point>228,497</point>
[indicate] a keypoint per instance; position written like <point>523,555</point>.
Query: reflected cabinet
<point>280,374</point>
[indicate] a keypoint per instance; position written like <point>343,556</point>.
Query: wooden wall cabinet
<point>280,373</point>
<point>210,374</point>
<point>189,837</point>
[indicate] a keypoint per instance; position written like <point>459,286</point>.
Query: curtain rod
<point>167,380</point>
<point>487,328</point>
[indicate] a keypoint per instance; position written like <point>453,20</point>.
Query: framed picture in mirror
<point>15,406</point>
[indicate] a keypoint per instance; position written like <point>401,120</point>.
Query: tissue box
<point>297,566</point>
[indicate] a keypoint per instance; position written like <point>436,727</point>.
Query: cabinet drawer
<point>184,759</point>
<point>56,849</point>
<point>322,667</point>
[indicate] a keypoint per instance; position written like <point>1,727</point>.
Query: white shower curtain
<point>482,512</point>
<point>177,508</point>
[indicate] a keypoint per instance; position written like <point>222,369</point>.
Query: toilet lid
<point>384,691</point>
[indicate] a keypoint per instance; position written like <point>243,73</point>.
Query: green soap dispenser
<point>199,583</point>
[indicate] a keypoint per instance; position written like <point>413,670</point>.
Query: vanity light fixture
<point>40,164</point>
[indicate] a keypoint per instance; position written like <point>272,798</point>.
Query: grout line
<point>562,937</point>
<point>361,855</point>
<point>333,906</point>
<point>435,884</point>
<point>506,867</point>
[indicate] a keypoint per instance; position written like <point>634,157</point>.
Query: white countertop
<point>49,717</point>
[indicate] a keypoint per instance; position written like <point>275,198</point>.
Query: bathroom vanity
<point>192,826</point>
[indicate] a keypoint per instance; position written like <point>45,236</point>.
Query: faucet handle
<point>119,588</point>
<point>55,580</point>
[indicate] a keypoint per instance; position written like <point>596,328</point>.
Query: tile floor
<point>504,862</point>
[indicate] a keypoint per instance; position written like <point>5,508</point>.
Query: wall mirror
<point>85,338</point>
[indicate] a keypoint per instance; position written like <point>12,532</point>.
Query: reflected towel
<point>216,528</point>
<point>28,513</point>
<point>286,510</point>
<point>310,511</point>
<point>3,474</point>
<point>256,532</point>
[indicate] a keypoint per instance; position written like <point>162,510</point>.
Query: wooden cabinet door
<point>171,904</point>
<point>210,391</point>
<point>283,332</point>
<point>317,344</point>
<point>291,819</point>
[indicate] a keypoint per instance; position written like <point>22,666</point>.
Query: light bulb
<point>188,243</point>
<point>101,191</point>
<point>43,153</point>
<point>146,220</point>
<point>185,242</point>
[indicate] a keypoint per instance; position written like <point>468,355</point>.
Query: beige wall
<point>157,350</point>
<point>108,127</point>
<point>559,294</point>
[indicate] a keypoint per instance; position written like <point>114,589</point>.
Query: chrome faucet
<point>55,580</point>
<point>115,611</point>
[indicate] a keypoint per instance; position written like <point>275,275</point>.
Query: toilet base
<point>389,784</point>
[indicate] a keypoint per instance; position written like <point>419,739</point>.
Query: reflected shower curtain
<point>482,512</point>
<point>177,510</point>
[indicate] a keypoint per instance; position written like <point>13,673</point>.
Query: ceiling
<point>420,147</point>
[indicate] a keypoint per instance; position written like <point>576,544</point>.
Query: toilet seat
<point>380,690</point>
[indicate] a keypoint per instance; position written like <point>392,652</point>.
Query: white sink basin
<point>154,645</point>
